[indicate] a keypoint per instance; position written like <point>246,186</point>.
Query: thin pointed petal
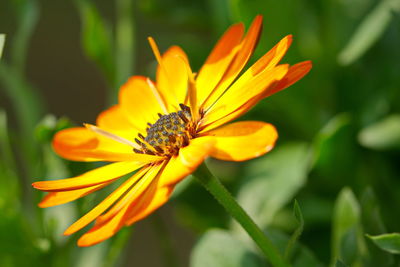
<point>219,61</point>
<point>81,144</point>
<point>62,197</point>
<point>97,176</point>
<point>133,194</point>
<point>246,49</point>
<point>148,204</point>
<point>239,95</point>
<point>104,229</point>
<point>294,74</point>
<point>105,204</point>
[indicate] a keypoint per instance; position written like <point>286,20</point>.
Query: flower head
<point>161,131</point>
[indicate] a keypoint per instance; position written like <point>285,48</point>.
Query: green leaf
<point>387,242</point>
<point>96,39</point>
<point>368,32</point>
<point>373,224</point>
<point>325,144</point>
<point>10,189</point>
<point>28,106</point>
<point>48,126</point>
<point>296,234</point>
<point>92,256</point>
<point>217,248</point>
<point>27,17</point>
<point>302,256</point>
<point>124,44</point>
<point>274,180</point>
<point>2,41</point>
<point>382,135</point>
<point>340,263</point>
<point>347,242</point>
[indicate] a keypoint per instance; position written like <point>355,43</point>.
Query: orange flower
<point>164,130</point>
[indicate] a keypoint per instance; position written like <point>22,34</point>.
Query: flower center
<point>168,134</point>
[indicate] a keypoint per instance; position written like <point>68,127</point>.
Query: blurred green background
<point>338,153</point>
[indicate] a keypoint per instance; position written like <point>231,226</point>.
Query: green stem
<point>214,186</point>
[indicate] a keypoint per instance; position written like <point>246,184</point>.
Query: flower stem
<point>214,186</point>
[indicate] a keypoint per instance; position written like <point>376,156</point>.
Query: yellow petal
<point>148,204</point>
<point>294,74</point>
<point>132,195</point>
<point>58,198</point>
<point>115,121</point>
<point>139,103</point>
<point>81,144</point>
<point>106,203</point>
<point>172,77</point>
<point>266,62</point>
<point>100,233</point>
<point>106,228</point>
<point>218,61</point>
<point>97,176</point>
<point>239,95</point>
<point>188,159</point>
<point>243,140</point>
<point>243,55</point>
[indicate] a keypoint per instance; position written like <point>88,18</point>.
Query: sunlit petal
<point>105,204</point>
<point>219,60</point>
<point>172,77</point>
<point>239,95</point>
<point>61,197</point>
<point>97,176</point>
<point>242,57</point>
<point>243,140</point>
<point>81,144</point>
<point>139,103</point>
<point>187,161</point>
<point>107,227</point>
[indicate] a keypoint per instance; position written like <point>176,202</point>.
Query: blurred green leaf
<point>295,236</point>
<point>369,31</point>
<point>96,39</point>
<point>387,242</point>
<point>9,190</point>
<point>92,256</point>
<point>2,41</point>
<point>372,220</point>
<point>274,180</point>
<point>340,263</point>
<point>27,16</point>
<point>373,224</point>
<point>27,104</point>
<point>48,126</point>
<point>347,242</point>
<point>382,135</point>
<point>302,256</point>
<point>6,152</point>
<point>124,44</point>
<point>217,248</point>
<point>325,143</point>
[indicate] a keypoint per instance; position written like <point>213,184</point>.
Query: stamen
<point>169,133</point>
